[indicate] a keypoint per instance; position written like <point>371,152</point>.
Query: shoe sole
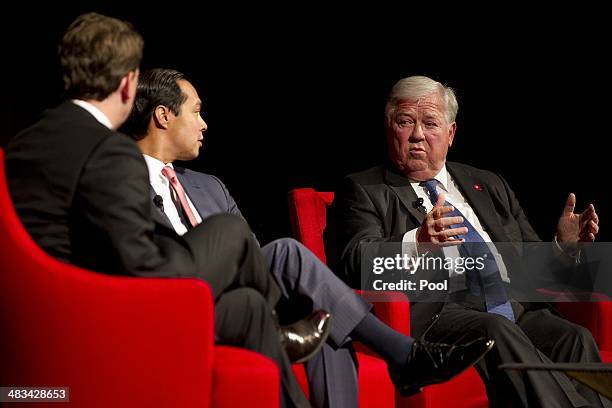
<point>408,390</point>
<point>318,348</point>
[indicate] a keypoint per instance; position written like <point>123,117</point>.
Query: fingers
<point>440,202</point>
<point>591,227</point>
<point>447,235</point>
<point>570,204</point>
<point>447,238</point>
<point>441,229</point>
<point>589,217</point>
<point>452,232</point>
<point>439,212</point>
<point>595,216</point>
<point>588,232</point>
<point>590,214</point>
<point>586,221</point>
<point>451,242</point>
<point>444,222</point>
<point>590,237</point>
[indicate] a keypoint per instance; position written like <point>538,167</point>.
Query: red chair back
<point>114,341</point>
<point>308,213</point>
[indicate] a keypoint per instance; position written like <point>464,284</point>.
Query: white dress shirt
<point>452,195</point>
<point>95,112</point>
<point>161,186</point>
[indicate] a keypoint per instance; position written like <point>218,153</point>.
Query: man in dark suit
<point>167,126</point>
<point>82,191</point>
<point>425,203</point>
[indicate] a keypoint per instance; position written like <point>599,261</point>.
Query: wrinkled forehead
<point>430,104</point>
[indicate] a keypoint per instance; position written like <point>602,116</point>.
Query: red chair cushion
<point>242,378</point>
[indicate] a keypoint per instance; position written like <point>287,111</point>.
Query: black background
<point>294,96</point>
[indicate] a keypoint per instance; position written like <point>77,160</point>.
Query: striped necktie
<point>487,281</point>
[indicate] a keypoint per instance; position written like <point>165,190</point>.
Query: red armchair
<point>115,341</point>
<point>308,209</point>
<point>307,212</point>
<point>597,316</point>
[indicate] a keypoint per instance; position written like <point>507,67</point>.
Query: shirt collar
<point>155,167</point>
<point>441,177</point>
<point>95,112</point>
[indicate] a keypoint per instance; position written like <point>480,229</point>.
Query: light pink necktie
<point>170,174</point>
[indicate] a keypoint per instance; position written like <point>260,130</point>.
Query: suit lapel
<point>158,215</point>
<point>479,199</point>
<point>192,189</point>
<point>404,191</point>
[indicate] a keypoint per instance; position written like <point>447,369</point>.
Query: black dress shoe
<point>432,363</point>
<point>304,338</point>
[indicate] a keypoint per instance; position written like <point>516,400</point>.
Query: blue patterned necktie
<point>488,280</point>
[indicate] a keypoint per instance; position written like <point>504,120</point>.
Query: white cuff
<point>409,243</point>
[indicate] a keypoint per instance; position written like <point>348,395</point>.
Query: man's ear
<point>161,116</point>
<point>451,133</point>
<point>127,87</point>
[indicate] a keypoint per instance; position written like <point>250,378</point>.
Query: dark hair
<point>155,87</point>
<point>96,52</point>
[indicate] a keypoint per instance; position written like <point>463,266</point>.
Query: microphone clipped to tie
<point>159,202</point>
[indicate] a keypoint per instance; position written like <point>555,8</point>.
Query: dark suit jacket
<point>207,193</point>
<point>82,191</point>
<point>376,205</point>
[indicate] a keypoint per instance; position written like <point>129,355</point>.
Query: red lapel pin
<point>477,187</point>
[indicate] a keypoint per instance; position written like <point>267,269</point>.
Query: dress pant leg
<point>308,284</point>
<point>301,275</point>
<point>244,319</point>
<point>564,342</point>
<point>227,256</point>
<point>332,378</point>
<point>506,388</point>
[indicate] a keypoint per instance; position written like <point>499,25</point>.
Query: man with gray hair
<point>422,201</point>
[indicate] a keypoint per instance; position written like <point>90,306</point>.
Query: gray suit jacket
<point>377,205</point>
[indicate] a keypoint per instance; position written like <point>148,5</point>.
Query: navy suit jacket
<point>207,193</point>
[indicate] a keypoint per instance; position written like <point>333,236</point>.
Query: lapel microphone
<point>418,204</point>
<point>159,202</point>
